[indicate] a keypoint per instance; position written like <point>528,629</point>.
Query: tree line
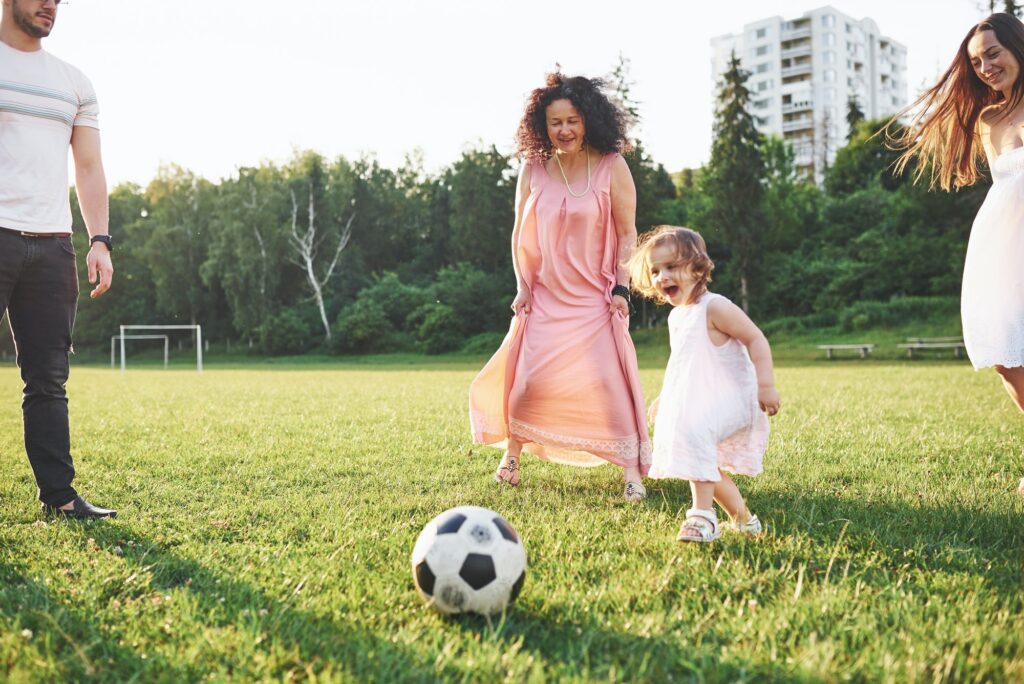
<point>348,256</point>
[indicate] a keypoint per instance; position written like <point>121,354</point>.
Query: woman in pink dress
<point>564,383</point>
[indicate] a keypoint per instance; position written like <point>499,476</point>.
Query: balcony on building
<point>794,105</point>
<point>792,125</point>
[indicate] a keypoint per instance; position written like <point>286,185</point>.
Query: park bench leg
<point>863,353</point>
<point>828,353</point>
<point>910,353</point>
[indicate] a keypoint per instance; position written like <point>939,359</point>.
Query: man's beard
<point>23,20</point>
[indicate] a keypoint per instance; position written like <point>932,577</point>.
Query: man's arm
<point>91,185</point>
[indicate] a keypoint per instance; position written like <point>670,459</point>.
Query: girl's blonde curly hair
<point>691,255</point>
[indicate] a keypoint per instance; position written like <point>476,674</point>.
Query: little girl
<point>710,417</point>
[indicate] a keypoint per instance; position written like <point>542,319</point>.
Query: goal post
<point>165,338</point>
<point>199,340</point>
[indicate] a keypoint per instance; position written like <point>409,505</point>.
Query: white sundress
<point>708,415</point>
<point>992,299</point>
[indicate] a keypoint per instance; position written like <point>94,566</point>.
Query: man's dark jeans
<point>39,291</point>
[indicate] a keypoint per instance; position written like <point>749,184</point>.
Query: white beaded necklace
<point>566,179</point>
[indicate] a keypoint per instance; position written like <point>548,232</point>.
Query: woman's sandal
<point>634,492</point>
<point>508,471</point>
<point>700,526</point>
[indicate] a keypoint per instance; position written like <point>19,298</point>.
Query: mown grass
<point>267,519</point>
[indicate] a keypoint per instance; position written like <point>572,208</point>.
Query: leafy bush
<point>287,332</point>
<point>480,300</point>
<point>863,315</point>
<point>361,327</point>
<point>395,299</point>
<point>484,343</point>
<point>797,324</point>
<point>439,330</point>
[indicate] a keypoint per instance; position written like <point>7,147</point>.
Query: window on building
<point>828,21</point>
<point>830,39</point>
<point>830,94</point>
<point>830,57</point>
<point>830,75</point>
<point>762,67</point>
<point>849,29</point>
<point>761,50</point>
<point>761,33</point>
<point>765,85</point>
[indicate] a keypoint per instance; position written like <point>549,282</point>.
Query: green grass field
<point>268,514</point>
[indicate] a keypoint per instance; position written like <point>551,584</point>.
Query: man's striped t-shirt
<point>42,99</point>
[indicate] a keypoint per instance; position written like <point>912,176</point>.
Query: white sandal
<point>634,492</point>
<point>751,528</point>
<point>700,526</point>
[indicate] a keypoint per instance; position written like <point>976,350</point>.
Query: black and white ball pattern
<point>469,560</point>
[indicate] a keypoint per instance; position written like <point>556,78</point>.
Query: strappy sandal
<point>700,526</point>
<point>508,473</point>
<point>634,492</point>
<point>751,528</point>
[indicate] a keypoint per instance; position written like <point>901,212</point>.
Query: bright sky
<point>212,85</point>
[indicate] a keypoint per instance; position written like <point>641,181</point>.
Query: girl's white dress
<point>708,415</point>
<point>992,300</point>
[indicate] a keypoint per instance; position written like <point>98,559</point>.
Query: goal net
<point>125,329</point>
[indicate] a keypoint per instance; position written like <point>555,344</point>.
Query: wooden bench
<point>919,343</point>
<point>864,349</point>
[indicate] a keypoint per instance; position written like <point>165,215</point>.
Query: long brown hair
<point>943,134</point>
<point>691,254</point>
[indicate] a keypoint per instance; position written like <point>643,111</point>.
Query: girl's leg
<point>1013,381</point>
<point>728,496</point>
<point>703,494</point>
<point>508,469</point>
<point>701,524</point>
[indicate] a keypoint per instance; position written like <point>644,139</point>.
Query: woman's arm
<point>623,195</point>
<point>522,300</point>
<point>728,318</point>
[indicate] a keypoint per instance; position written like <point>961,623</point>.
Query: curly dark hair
<point>605,122</point>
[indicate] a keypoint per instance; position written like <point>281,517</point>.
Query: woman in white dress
<point>980,99</point>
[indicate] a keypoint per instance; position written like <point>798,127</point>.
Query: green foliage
<point>484,343</point>
<point>287,332</point>
<point>395,299</point>
<point>733,179</point>
<point>865,315</point>
<point>438,329</point>
<point>480,299</point>
<point>482,210</point>
<point>363,327</point>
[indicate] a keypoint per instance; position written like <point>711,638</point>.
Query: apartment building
<point>803,71</point>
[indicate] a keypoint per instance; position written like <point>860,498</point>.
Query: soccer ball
<point>469,560</point>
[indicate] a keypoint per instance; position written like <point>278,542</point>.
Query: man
<point>45,104</point>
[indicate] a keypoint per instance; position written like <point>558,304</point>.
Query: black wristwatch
<point>622,291</point>
<point>105,239</point>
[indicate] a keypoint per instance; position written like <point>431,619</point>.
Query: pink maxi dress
<point>565,380</point>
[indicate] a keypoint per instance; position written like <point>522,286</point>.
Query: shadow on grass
<point>306,643</point>
<point>954,538</point>
<point>81,648</point>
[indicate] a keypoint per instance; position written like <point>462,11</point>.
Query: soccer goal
<point>165,338</point>
<point>199,341</point>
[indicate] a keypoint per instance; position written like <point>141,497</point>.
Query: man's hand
<point>101,269</point>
